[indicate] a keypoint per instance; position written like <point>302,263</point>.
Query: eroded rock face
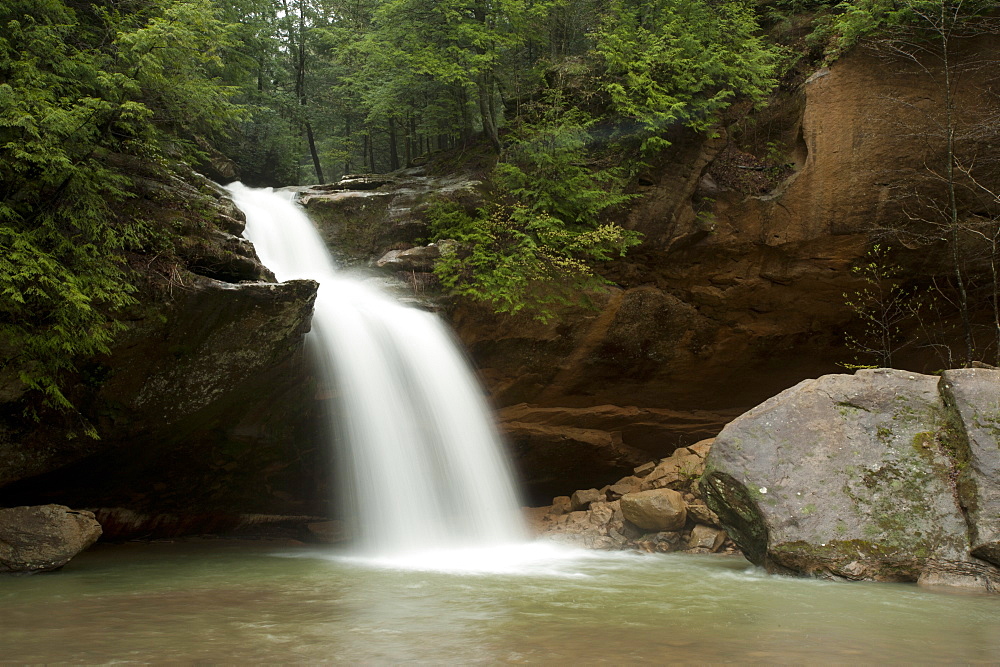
<point>848,476</point>
<point>206,407</point>
<point>44,538</point>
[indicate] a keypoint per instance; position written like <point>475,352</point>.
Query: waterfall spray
<point>427,468</point>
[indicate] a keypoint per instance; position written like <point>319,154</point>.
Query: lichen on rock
<point>847,476</point>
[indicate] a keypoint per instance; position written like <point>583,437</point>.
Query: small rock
<point>686,465</point>
<point>561,505</point>
<point>581,499</point>
<point>700,513</point>
<point>623,486</point>
<point>663,541</point>
<point>657,509</point>
<point>421,258</point>
<point>706,537</point>
<point>645,469</point>
<point>661,482</point>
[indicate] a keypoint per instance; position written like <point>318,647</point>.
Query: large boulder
<point>974,397</point>
<point>42,538</point>
<point>851,476</point>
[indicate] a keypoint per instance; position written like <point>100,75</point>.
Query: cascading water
<point>427,467</point>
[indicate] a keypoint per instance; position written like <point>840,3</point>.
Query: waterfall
<point>427,468</point>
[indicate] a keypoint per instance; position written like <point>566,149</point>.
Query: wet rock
<point>216,336</point>
<point>43,538</point>
<point>845,476</point>
<point>362,217</point>
<point>661,542</point>
<point>974,396</point>
<point>706,537</point>
<point>656,509</point>
<point>420,259</point>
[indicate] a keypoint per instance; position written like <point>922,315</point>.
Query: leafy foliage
<point>535,247</point>
<point>882,304</point>
<point>516,259</point>
<point>668,62</point>
<point>79,88</point>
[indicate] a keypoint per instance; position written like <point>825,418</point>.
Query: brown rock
<point>699,511</point>
<point>561,505</point>
<point>581,499</point>
<point>644,469</point>
<point>657,509</point>
<point>44,537</point>
<point>623,486</point>
<point>661,542</point>
<point>702,447</point>
<point>706,537</point>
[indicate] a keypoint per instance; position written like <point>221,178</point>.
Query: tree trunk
<point>484,87</point>
<point>300,91</point>
<point>393,151</point>
<point>313,152</point>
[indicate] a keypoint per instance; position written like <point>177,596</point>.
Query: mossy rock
<point>845,476</point>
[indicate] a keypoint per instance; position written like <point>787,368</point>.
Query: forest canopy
<point>567,97</point>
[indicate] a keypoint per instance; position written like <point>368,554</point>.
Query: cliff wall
<point>738,290</point>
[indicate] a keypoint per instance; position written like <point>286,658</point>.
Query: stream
<point>219,601</point>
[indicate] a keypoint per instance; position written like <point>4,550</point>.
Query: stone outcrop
<point>657,508</point>
<point>854,476</point>
<point>205,406</point>
<point>363,217</point>
<point>43,538</point>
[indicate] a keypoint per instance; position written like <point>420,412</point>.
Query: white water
<point>427,467</point>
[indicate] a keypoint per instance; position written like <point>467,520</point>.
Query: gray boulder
<point>44,537</point>
<point>848,476</point>
<point>973,395</point>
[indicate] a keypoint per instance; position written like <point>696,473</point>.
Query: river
<point>219,601</point>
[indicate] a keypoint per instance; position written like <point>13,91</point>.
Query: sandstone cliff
<point>737,291</point>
